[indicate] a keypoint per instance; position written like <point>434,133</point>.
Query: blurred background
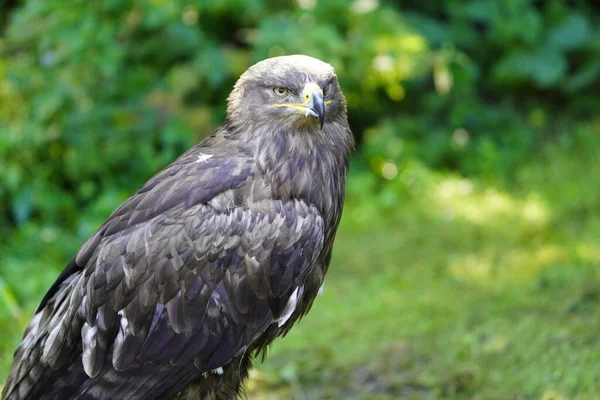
<point>467,262</point>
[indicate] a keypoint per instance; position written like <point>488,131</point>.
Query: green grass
<point>462,289</point>
<point>440,287</point>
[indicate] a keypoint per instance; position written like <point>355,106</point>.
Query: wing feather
<point>171,280</point>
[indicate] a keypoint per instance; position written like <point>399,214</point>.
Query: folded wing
<point>170,287</point>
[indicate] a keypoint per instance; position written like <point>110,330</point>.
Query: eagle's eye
<point>281,91</point>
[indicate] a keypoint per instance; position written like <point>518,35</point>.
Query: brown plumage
<point>207,263</point>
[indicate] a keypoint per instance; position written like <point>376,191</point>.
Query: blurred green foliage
<point>95,97</point>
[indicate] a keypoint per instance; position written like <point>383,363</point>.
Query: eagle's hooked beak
<point>313,104</point>
<point>313,99</point>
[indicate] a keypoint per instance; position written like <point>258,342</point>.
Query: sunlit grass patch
<point>456,288</point>
<point>459,198</point>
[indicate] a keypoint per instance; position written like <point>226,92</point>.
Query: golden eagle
<point>209,261</point>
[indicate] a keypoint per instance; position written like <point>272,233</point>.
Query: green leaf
<point>482,10</point>
<point>22,205</point>
<point>572,33</point>
<point>584,77</point>
<point>543,67</point>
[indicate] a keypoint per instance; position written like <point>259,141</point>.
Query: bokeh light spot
<point>365,6</point>
<point>307,4</point>
<point>460,137</point>
<point>189,16</point>
<point>389,170</point>
<point>383,63</point>
<point>396,92</point>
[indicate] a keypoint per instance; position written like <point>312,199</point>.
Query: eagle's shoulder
<point>198,176</point>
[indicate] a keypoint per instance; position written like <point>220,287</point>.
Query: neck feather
<point>307,165</point>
